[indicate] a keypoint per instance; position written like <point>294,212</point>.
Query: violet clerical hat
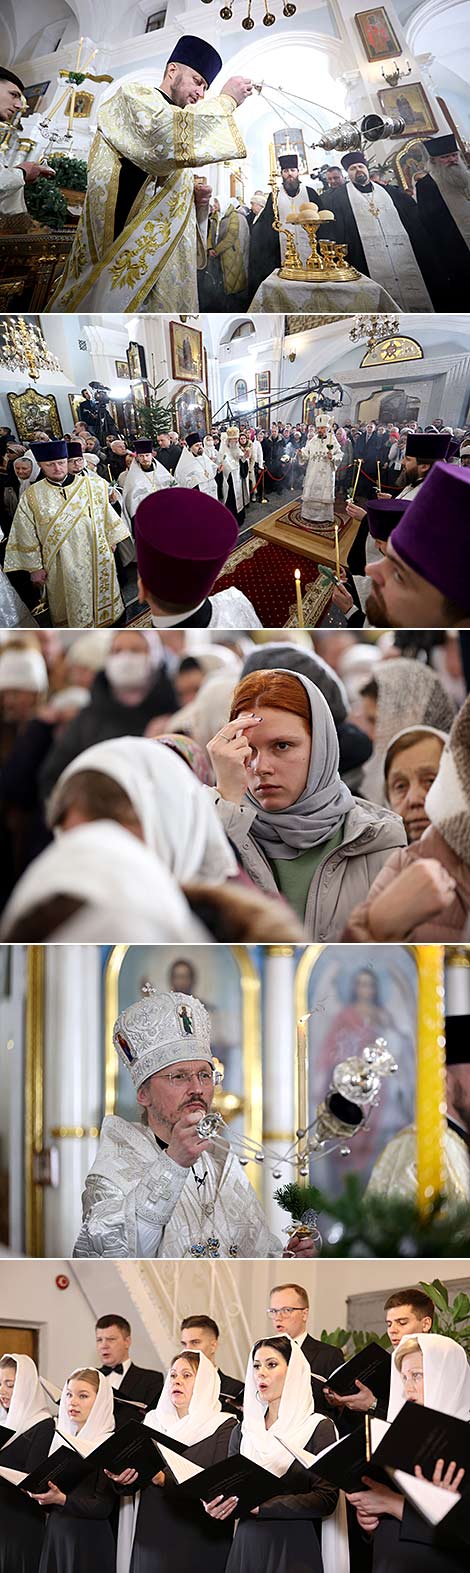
<point>433,536</point>
<point>143,445</point>
<point>427,446</point>
<point>383,514</point>
<point>183,539</point>
<point>194,52</point>
<point>44,451</point>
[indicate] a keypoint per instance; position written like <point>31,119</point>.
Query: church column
<point>278,1072</point>
<point>455,390</point>
<point>73,1083</point>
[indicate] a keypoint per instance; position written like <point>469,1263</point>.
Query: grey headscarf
<point>325,800</point>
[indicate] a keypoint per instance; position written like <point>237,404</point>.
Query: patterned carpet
<point>291,514</point>
<point>265,573</point>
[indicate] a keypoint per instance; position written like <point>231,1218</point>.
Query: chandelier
<point>24,349</point>
<point>268,19</point>
<point>374,328</point>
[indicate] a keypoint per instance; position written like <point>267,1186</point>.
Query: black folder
<point>421,1436</point>
<point>5,1436</point>
<point>132,1446</point>
<point>233,1477</point>
<point>345,1464</point>
<point>371,1366</point>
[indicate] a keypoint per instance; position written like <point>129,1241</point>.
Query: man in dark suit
<point>132,1382</point>
<point>407,1312</point>
<point>288,1312</point>
<point>201,1332</point>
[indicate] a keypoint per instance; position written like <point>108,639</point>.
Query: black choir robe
<point>285,1536</point>
<point>265,246</point>
<point>345,231</point>
<point>454,254</point>
<point>175,1535</point>
<point>142,1385</point>
<point>79,1538</point>
<point>22,1521</point>
<point>407,1547</point>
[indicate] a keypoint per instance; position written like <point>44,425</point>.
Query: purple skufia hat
<point>433,536</point>
<point>183,539</point>
<point>45,451</point>
<point>383,514</point>
<point>194,52</point>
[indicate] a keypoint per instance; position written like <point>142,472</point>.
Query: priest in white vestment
<point>144,476</point>
<point>64,534</point>
<point>160,1188</point>
<point>13,173</point>
<point>322,453</point>
<point>143,230</point>
<point>383,233</point>
<point>195,467</point>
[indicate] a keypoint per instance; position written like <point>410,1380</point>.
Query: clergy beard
<point>291,187</point>
<point>454,178</point>
<point>376,611</point>
<point>196,1101</point>
<point>363,183</point>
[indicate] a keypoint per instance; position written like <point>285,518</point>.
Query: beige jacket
<point>343,880</point>
<point>453,924</point>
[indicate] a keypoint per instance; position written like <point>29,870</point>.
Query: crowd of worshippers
<point>161,519</point>
<point>414,245</point>
<point>284,1474</point>
<point>313,802</point>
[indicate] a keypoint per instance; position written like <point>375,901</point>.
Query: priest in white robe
<point>64,534</point>
<point>322,454</point>
<point>14,170</point>
<point>383,233</point>
<point>144,476</point>
<point>159,1188</point>
<point>183,542</point>
<point>143,230</point>
<point>234,465</point>
<point>196,468</point>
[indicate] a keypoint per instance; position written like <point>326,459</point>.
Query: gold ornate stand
<point>327,262</point>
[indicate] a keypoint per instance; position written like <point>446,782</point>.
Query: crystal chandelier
<point>24,349</point>
<point>247,23</point>
<point>374,328</point>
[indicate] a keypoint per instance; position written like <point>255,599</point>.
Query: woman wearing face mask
<point>171,1533</point>
<point>431,1370</point>
<point>284,1533</point>
<point>132,688</point>
<point>296,825</point>
<point>78,1535</point>
<point>24,1411</point>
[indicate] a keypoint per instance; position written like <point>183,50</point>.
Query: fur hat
<point>448,800</point>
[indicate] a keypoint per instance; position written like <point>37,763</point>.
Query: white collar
<point>162,622</point>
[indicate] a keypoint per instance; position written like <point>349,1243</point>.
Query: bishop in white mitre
<point>323,454</point>
<point>143,230</point>
<point>64,534</point>
<point>158,1188</point>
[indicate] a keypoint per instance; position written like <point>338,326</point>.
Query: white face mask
<point>128,669</point>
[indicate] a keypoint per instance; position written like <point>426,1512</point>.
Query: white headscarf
<point>23,668</point>
<point>205,1413</point>
<point>296,1423</point>
<point>296,1418</point>
<point>446,1381</point>
<point>99,1425</point>
<point>178,818</point>
<point>35,471</point>
<point>27,1406</point>
<point>125,888</point>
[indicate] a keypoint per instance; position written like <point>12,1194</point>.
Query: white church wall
<point>65,1318</point>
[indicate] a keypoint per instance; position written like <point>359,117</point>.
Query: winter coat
<point>105,717</point>
<point>453,924</point>
<point>344,879</point>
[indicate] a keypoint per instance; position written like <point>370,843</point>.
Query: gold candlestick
<point>338,564</point>
<point>356,478</point>
<point>300,610</point>
<point>379,483</point>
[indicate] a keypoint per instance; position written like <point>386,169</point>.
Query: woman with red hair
<point>295,824</point>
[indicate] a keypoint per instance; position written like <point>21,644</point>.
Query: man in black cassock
<point>265,242</point>
<point>443,198</point>
<point>384,235</point>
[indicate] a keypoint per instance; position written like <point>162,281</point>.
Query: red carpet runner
<point>265,573</point>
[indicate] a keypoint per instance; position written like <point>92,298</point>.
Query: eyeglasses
<point>183,1078</point>
<point>285,1310</point>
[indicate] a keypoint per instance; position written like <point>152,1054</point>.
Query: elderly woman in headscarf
<point>23,1411</point>
<point>291,1530</point>
<point>132,687</point>
<point>423,892</point>
<point>431,1370</point>
<point>78,1535</point>
<point>295,823</point>
<point>399,693</point>
<point>172,1533</point>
